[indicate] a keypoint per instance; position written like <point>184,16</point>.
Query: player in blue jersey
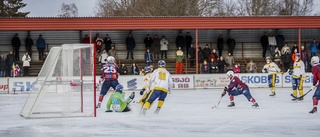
<point>109,78</point>
<point>237,87</point>
<point>316,77</point>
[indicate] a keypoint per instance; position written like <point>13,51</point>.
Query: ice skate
<point>300,99</point>
<point>314,110</point>
<point>255,105</point>
<point>231,104</point>
<point>143,112</point>
<point>98,105</point>
<point>272,94</point>
<point>157,111</point>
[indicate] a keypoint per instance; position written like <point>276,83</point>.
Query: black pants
<point>41,53</point>
<point>286,66</point>
<point>192,60</point>
<point>29,50</point>
<point>128,52</point>
<point>220,52</point>
<point>26,71</point>
<point>264,50</point>
<point>165,53</point>
<point>16,53</point>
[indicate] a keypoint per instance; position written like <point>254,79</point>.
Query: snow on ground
<point>186,113</point>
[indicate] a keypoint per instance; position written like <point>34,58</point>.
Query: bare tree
<point>294,7</point>
<point>68,10</point>
<point>153,8</point>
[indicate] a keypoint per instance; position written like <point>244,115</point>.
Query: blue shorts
<point>245,92</point>
<point>316,93</point>
<point>155,94</point>
<point>106,86</point>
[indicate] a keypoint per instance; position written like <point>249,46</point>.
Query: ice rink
<point>186,113</point>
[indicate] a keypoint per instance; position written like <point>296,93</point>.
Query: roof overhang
<point>156,23</point>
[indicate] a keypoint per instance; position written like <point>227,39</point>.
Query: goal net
<point>65,85</point>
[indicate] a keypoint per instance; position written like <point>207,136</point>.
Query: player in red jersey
<point>316,77</point>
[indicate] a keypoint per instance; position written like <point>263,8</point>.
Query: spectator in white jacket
<point>285,48</point>
<point>272,43</point>
<point>164,46</point>
<point>26,63</point>
<point>103,57</point>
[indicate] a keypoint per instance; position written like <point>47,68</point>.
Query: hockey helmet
<point>111,59</point>
<point>230,73</point>
<point>298,55</point>
<point>119,88</point>
<point>147,69</point>
<point>314,60</point>
<point>162,63</point>
<point>268,59</point>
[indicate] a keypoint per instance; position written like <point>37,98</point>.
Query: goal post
<point>65,86</point>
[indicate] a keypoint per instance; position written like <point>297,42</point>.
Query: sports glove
<point>225,88</point>
<point>313,87</point>
<point>265,70</point>
<point>100,80</point>
<point>142,90</point>
<point>290,72</point>
<point>223,93</point>
<point>132,95</point>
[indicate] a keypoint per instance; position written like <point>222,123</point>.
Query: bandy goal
<point>65,86</point>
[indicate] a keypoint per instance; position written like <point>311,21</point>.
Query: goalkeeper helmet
<point>119,88</point>
<point>147,69</point>
<point>110,59</point>
<point>161,63</point>
<point>314,60</point>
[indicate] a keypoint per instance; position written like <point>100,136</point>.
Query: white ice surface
<point>186,113</point>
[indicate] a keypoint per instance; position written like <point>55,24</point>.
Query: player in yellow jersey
<point>146,86</point>
<point>272,69</point>
<point>298,76</point>
<point>161,84</point>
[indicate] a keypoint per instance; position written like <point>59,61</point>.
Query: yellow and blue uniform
<point>146,86</point>
<point>298,76</point>
<point>161,83</point>
<point>272,69</point>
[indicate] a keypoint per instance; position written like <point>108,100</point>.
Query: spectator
<point>3,65</point>
<point>213,66</point>
<point>206,52</point>
<point>131,44</point>
<point>285,48</point>
<point>264,44</point>
<point>304,57</point>
<point>148,42</point>
<point>192,55</point>
<point>214,55</point>
<point>85,39</point>
<point>41,46</point>
<point>45,56</point>
<point>16,43</point>
<point>205,69</point>
<point>107,43</point>
<point>295,47</point>
<point>141,73</point>
<point>230,61</point>
<point>26,64</point>
<point>123,70</point>
<point>98,42</point>
<point>188,41</point>
<point>29,42</point>
<point>179,61</point>
<point>134,69</point>
<point>313,48</point>
<point>272,43</point>
<point>293,56</point>
<point>112,52</point>
<point>148,57</point>
<point>286,59</point>
<point>277,56</point>
<point>103,58</point>
<point>200,55</point>
<point>180,42</point>
<point>156,47</point>
<point>221,64</point>
<point>16,71</point>
<point>231,44</point>
<point>251,67</point>
<point>220,42</point>
<point>280,40</point>
<point>236,68</point>
<point>11,60</point>
<point>164,46</point>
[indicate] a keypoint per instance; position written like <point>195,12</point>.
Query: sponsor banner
<point>211,81</point>
<point>287,80</point>
<point>259,79</point>
<point>182,81</point>
<point>21,84</point>
<point>4,85</point>
<point>131,82</point>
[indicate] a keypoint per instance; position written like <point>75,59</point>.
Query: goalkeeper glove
<point>142,90</point>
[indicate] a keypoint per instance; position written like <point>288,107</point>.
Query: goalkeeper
<point>118,102</point>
